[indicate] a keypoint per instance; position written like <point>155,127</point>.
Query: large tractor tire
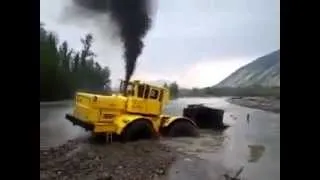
<point>138,130</point>
<point>183,129</point>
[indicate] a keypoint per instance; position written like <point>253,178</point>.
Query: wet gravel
<point>271,104</point>
<point>82,159</point>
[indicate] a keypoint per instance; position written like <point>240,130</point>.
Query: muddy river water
<point>253,144</point>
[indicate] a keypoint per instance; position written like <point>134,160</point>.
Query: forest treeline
<point>64,70</point>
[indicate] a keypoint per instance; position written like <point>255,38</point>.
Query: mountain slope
<point>264,71</point>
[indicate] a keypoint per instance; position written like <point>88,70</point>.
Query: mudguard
<point>172,119</point>
<point>123,120</point>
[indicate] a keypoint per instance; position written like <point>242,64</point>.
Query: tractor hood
<point>114,101</point>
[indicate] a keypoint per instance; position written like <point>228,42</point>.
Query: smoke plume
<point>133,20</point>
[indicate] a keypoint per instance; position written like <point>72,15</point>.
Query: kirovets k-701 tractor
<point>136,113</point>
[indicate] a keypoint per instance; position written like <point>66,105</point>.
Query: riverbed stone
<point>136,160</point>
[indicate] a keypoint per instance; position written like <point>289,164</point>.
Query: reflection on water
<point>256,152</point>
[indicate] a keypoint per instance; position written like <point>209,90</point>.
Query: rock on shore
<point>80,159</point>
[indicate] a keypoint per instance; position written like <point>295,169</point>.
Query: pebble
<point>180,149</point>
<point>160,171</point>
<point>116,161</point>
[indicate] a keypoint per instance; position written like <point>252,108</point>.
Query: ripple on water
<point>209,142</point>
<point>256,152</point>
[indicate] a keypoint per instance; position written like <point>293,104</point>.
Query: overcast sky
<point>194,42</point>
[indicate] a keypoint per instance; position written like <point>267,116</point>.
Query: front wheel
<point>183,129</point>
<point>138,130</point>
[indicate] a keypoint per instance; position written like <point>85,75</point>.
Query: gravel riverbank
<point>81,159</point>
<point>264,103</point>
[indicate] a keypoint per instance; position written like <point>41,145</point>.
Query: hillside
<point>264,71</point>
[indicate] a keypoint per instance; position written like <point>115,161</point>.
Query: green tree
<point>63,70</point>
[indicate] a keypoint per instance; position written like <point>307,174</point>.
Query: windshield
<point>130,88</point>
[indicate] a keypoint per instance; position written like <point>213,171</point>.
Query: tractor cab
<point>144,98</point>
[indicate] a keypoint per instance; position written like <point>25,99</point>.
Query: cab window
<point>130,90</point>
<point>146,94</point>
<point>141,88</point>
<point>154,94</point>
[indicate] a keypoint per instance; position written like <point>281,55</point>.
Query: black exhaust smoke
<point>133,20</point>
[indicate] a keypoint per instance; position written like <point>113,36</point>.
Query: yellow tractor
<point>135,113</point>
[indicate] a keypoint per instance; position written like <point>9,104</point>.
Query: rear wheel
<point>183,129</point>
<point>138,130</point>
